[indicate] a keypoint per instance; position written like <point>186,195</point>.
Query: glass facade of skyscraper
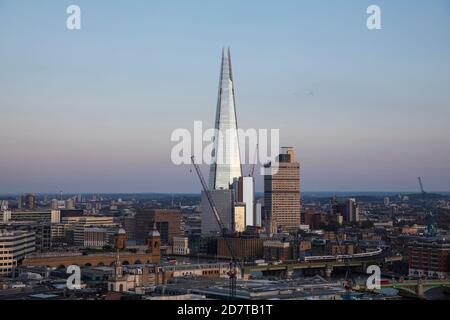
<point>226,162</point>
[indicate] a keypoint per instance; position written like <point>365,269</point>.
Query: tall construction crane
<point>431,223</point>
<point>252,172</point>
<point>348,280</point>
<point>234,263</point>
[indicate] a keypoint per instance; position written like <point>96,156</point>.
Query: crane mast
<point>421,185</point>
<point>223,229</point>
<point>348,282</point>
<point>234,261</point>
<point>252,172</point>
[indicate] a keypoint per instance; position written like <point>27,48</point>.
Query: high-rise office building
<point>223,200</point>
<point>239,217</point>
<point>30,201</point>
<point>226,161</point>
<point>129,224</point>
<point>20,202</point>
<point>259,213</point>
<point>244,192</point>
<point>282,193</point>
<point>351,213</point>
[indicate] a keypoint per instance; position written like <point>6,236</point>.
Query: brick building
<point>247,249</point>
<point>429,257</point>
<point>168,223</point>
<point>277,250</point>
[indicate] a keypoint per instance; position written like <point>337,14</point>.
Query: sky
<point>92,110</point>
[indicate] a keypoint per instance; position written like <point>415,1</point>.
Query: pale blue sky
<point>93,110</point>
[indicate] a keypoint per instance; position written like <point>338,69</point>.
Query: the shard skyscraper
<point>226,160</point>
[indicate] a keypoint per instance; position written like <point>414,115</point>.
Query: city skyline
<point>91,111</point>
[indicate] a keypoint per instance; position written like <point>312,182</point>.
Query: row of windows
<point>5,271</point>
<point>17,243</point>
<point>210,272</point>
<point>20,251</point>
<point>425,266</point>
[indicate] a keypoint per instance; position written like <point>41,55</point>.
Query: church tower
<point>154,241</point>
<point>118,269</point>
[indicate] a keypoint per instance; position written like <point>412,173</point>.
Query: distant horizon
<point>444,193</point>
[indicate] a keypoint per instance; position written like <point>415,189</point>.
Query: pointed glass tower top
<point>226,160</point>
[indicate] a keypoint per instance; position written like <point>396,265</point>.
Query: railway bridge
<point>321,264</point>
<point>417,288</point>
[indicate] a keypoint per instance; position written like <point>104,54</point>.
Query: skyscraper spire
<point>226,161</point>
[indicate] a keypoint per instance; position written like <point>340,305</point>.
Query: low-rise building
<point>39,228</point>
<point>277,250</point>
<point>14,245</point>
<point>246,249</point>
<point>429,257</point>
<point>180,246</point>
<point>82,225</point>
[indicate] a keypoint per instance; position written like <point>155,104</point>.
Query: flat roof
<point>43,296</point>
